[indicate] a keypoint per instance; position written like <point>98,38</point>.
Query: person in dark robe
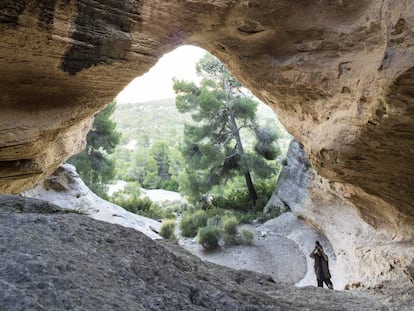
<point>321,266</point>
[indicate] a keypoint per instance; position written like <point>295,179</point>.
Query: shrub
<point>169,213</point>
<point>235,200</point>
<point>246,218</point>
<point>246,237</point>
<point>167,230</point>
<point>209,237</point>
<point>230,225</point>
<point>191,222</point>
<point>140,206</point>
<point>155,212</point>
<point>214,221</point>
<point>229,239</point>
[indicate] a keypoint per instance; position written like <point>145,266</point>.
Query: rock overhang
<point>338,73</point>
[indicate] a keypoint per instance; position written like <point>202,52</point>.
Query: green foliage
<point>214,221</point>
<point>248,217</point>
<point>212,226</point>
<point>209,237</point>
<point>170,214</point>
<point>213,147</point>
<point>167,230</point>
<point>93,164</point>
<point>130,199</point>
<point>246,237</point>
<point>103,134</point>
<point>149,151</point>
<point>237,199</point>
<point>191,222</point>
<point>229,230</point>
<point>229,225</point>
<point>265,188</point>
<point>193,184</point>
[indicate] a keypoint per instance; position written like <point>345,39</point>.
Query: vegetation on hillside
<point>93,164</point>
<point>149,150</point>
<point>215,144</point>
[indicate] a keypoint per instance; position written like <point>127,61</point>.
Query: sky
<point>157,82</point>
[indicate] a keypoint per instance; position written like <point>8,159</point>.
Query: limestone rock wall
<point>364,256</point>
<point>339,73</point>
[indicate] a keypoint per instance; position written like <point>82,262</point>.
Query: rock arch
<point>338,72</point>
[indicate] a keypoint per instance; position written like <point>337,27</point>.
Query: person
<point>321,266</point>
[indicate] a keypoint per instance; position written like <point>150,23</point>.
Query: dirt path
<point>272,254</point>
<point>280,249</point>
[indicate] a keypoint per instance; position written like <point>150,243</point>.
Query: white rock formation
<point>66,189</point>
<point>365,256</point>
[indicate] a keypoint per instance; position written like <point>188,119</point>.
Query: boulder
<point>57,260</point>
<point>65,189</point>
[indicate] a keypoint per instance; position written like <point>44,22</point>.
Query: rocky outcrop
<point>66,189</point>
<point>364,256</point>
<point>339,74</point>
<point>55,260</point>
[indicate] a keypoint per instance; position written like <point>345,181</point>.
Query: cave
<point>338,73</point>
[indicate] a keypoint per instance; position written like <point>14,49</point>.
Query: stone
<point>361,253</point>
<point>65,189</point>
<point>61,261</point>
<point>339,74</point>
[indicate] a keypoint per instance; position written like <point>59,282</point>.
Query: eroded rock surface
<point>364,256</point>
<point>66,189</point>
<point>54,260</point>
<point>339,73</point>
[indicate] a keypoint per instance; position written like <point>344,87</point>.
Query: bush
<point>230,225</point>
<point>140,206</point>
<point>246,237</point>
<point>167,230</point>
<point>235,200</point>
<point>214,221</point>
<point>209,237</point>
<point>229,239</point>
<point>190,223</point>
<point>169,213</point>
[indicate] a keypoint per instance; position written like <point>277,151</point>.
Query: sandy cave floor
<point>270,254</point>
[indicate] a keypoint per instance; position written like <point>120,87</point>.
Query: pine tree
<point>92,164</point>
<point>213,146</point>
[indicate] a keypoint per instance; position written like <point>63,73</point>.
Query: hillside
<point>152,132</point>
<point>148,122</point>
<point>142,124</point>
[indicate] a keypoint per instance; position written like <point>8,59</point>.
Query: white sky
<point>157,83</point>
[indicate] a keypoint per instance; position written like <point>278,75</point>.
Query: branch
<point>220,137</point>
<point>231,156</point>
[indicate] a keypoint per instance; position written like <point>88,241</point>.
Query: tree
<point>161,154</point>
<point>214,146</point>
<point>92,164</point>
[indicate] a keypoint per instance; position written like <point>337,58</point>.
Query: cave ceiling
<point>339,74</point>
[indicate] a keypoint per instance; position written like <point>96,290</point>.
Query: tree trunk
<point>247,176</point>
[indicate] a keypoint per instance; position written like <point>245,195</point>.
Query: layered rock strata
<point>364,256</point>
<point>339,73</point>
